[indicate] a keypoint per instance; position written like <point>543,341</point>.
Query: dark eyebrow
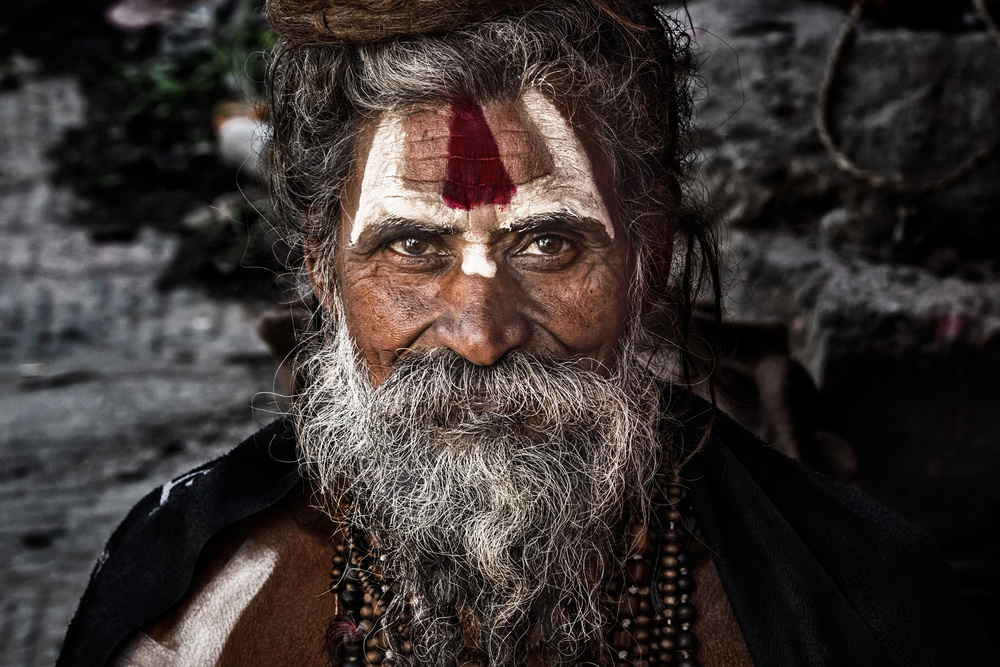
<point>380,232</point>
<point>559,220</point>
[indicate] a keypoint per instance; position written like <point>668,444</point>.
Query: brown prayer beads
<point>655,628</point>
<point>655,612</point>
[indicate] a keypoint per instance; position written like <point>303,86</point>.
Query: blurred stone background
<point>135,257</point>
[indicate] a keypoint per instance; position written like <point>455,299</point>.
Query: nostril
<point>484,332</point>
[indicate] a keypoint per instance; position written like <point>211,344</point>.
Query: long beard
<point>496,494</point>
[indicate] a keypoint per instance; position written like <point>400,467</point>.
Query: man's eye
<point>546,245</point>
<point>412,246</point>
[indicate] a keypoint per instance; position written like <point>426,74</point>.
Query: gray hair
<point>622,69</point>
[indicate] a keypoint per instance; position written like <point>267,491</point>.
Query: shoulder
<point>150,560</point>
<point>260,595</point>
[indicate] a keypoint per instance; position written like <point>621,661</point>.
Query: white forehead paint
<point>383,193</point>
<point>476,258</point>
<point>571,186</point>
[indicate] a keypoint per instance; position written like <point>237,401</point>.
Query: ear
<point>321,273</point>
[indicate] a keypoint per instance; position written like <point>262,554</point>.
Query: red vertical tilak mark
<point>476,174</point>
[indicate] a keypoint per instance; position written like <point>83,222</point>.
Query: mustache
<point>433,387</point>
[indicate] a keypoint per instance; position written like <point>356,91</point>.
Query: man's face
<point>481,229</point>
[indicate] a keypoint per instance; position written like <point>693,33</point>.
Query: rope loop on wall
<point>848,166</point>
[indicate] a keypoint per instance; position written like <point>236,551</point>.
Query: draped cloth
<point>816,573</point>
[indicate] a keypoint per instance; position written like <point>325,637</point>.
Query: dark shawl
<point>817,573</point>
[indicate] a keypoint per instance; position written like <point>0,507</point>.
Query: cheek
<point>383,315</point>
<point>587,310</point>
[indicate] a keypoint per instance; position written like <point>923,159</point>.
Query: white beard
<point>495,493</point>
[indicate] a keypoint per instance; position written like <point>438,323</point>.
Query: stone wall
<point>892,303</point>
<point>109,387</point>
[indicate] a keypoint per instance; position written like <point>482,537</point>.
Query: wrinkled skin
<point>546,270</point>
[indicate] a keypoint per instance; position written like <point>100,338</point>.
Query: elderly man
<point>484,464</point>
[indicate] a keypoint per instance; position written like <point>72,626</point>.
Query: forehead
<point>472,155</point>
<point>458,162</point>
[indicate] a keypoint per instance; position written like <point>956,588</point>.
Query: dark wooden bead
<point>642,621</point>
<point>672,535</point>
<point>669,613</point>
<point>668,632</point>
<point>686,641</point>
<point>670,600</point>
<point>352,597</point>
<point>373,657</point>
<point>670,562</point>
<point>686,613</point>
<point>683,558</point>
<point>670,574</point>
<point>638,572</point>
<point>644,606</point>
<point>641,635</point>
<point>671,549</point>
<point>668,588</point>
<point>685,584</point>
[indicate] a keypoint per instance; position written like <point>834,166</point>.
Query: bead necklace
<point>655,613</point>
<point>356,637</point>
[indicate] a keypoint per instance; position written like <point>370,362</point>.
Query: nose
<point>484,317</point>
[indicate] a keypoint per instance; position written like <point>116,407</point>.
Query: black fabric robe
<point>817,573</point>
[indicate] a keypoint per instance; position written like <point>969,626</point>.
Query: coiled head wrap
<point>303,22</point>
